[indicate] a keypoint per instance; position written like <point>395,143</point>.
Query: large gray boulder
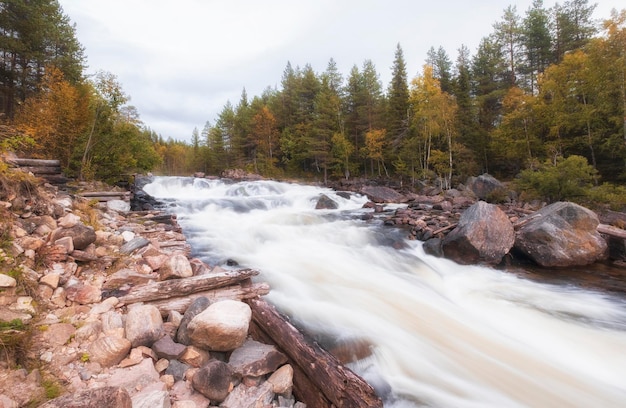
<point>561,234</point>
<point>484,185</point>
<point>484,235</point>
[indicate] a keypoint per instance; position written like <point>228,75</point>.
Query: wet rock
<point>144,325</point>
<point>109,350</point>
<point>325,203</point>
<point>97,397</point>
<point>484,234</point>
<point>433,247</point>
<point>223,326</point>
<point>196,307</point>
<point>561,234</point>
<point>255,359</point>
<point>214,380</point>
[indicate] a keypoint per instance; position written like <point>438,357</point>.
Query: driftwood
<point>35,162</point>
<point>185,286</point>
<point>244,290</point>
<point>611,231</point>
<point>340,386</point>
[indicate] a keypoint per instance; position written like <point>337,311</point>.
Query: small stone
<point>177,266</point>
<point>51,279</point>
<point>161,365</point>
<point>6,281</point>
<point>282,380</point>
<point>165,347</point>
<point>223,326</point>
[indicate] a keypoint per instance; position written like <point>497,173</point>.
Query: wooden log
<point>611,231</point>
<point>90,194</point>
<point>341,386</point>
<point>185,286</point>
<point>35,162</point>
<point>42,170</point>
<point>241,291</point>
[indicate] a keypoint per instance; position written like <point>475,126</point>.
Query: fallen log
<point>611,231</point>
<point>89,194</point>
<point>185,286</point>
<point>341,386</point>
<point>245,290</point>
<point>35,162</point>
<point>42,170</point>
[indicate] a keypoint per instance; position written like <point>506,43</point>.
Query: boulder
<point>144,325</point>
<point>176,267</point>
<point>223,326</point>
<point>96,397</point>
<point>109,350</point>
<point>81,235</point>
<point>196,307</point>
<point>379,194</point>
<point>255,359</point>
<point>214,380</point>
<point>484,234</point>
<point>326,203</point>
<point>561,234</point>
<point>484,186</point>
<point>177,370</point>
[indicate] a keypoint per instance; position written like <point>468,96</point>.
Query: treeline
<point>50,109</point>
<point>541,87</point>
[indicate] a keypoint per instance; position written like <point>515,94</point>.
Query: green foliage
<point>569,179</point>
<point>52,388</point>
<point>608,194</point>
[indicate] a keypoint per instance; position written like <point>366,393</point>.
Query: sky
<point>181,61</point>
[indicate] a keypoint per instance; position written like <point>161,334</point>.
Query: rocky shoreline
<point>79,340</point>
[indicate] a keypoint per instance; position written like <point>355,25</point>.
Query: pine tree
<point>537,44</point>
<point>398,100</point>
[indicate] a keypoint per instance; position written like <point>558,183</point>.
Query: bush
<point>570,179</point>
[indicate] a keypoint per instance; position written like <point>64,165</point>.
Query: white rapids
<point>441,334</point>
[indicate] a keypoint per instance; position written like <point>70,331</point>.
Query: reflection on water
<point>425,331</point>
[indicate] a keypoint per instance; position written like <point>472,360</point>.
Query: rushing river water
<point>441,334</point>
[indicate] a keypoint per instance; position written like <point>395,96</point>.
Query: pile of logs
<point>50,170</point>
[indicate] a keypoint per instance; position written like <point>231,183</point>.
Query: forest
<point>541,100</point>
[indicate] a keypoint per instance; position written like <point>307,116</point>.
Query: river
<point>440,334</point>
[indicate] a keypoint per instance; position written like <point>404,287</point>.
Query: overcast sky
<point>181,61</point>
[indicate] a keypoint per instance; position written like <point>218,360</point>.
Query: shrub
<point>569,179</point>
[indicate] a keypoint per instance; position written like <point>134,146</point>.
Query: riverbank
<point>78,325</point>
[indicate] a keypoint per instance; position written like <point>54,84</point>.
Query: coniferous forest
<point>541,100</point>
